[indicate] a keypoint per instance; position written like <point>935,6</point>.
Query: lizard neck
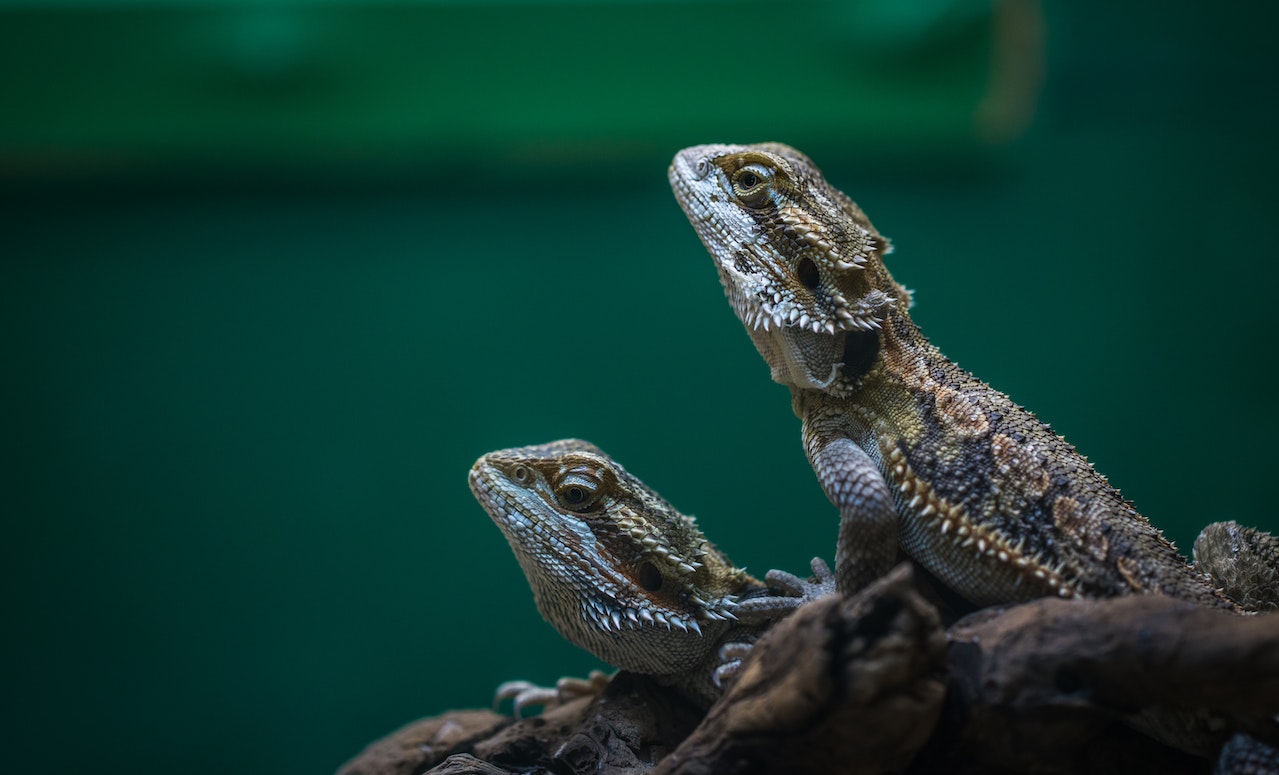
<point>867,368</point>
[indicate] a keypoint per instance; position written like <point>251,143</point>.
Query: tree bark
<point>875,684</point>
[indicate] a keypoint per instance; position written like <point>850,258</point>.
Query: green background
<point>274,275</point>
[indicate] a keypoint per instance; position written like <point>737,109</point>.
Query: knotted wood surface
<point>875,683</point>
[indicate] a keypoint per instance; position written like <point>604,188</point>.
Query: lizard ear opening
<point>650,578</point>
<point>808,274</point>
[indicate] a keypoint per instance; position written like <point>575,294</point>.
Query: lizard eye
<point>578,492</point>
<point>750,185</point>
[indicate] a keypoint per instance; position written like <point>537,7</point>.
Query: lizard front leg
<point>867,545</point>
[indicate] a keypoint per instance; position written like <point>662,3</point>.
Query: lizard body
<point>916,453</point>
<point>622,574</point>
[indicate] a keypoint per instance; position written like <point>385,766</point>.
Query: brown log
<point>872,684</point>
<point>418,745</point>
<point>840,686</point>
<point>1089,686</point>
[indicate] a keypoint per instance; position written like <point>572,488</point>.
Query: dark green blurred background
<point>276,273</point>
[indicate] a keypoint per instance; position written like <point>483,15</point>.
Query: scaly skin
<point>1243,561</point>
<point>619,572</point>
<point>915,452</point>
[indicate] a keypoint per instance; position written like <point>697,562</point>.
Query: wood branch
<point>629,727</point>
<point>1135,650</point>
<point>1087,686</point>
<point>873,684</point>
<point>857,680</point>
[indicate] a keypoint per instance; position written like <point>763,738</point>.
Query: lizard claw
<point>523,694</point>
<point>731,656</point>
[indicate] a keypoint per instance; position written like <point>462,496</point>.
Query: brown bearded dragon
<point>917,454</point>
<point>622,574</point>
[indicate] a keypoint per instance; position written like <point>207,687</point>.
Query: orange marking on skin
<point>958,414</point>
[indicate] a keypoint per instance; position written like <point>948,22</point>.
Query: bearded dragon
<point>622,574</point>
<point>619,572</point>
<point>916,453</point>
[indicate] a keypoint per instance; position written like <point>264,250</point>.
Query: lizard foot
<point>789,592</point>
<point>523,694</point>
<point>1243,561</point>
<point>730,663</point>
<point>1244,755</point>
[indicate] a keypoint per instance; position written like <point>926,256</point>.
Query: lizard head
<point>613,567</point>
<point>801,264</point>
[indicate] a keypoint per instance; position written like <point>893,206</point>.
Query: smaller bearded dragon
<point>620,573</point>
